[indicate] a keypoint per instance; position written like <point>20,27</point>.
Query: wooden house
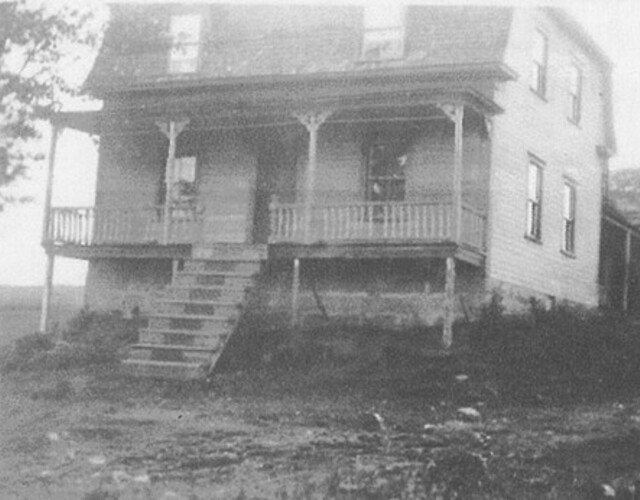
<point>391,164</point>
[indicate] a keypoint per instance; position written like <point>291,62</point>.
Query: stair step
<point>172,347</point>
<point>213,279</point>
<point>163,369</point>
<point>183,338</point>
<point>222,267</point>
<point>230,251</point>
<point>171,353</point>
<point>214,293</point>
<point>211,324</point>
<point>195,317</point>
<point>198,307</point>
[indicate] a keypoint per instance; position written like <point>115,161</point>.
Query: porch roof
<point>244,110</point>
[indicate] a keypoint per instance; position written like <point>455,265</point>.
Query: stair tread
<point>199,302</point>
<point>202,272</point>
<point>197,286</point>
<point>170,331</point>
<point>202,317</point>
<point>173,347</point>
<point>173,364</point>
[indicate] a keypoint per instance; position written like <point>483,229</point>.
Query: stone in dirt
<point>469,414</point>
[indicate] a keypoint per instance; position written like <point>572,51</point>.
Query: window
<point>569,218</point>
<point>184,179</point>
<point>185,43</point>
<point>575,94</point>
<point>383,36</point>
<point>539,64</point>
<point>534,200</point>
<point>386,162</point>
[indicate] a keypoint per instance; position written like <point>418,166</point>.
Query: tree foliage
<point>41,45</point>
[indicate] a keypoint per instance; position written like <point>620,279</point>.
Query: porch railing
<point>368,221</point>
<point>103,226</point>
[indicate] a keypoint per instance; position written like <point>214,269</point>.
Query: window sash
<point>539,63</point>
<point>383,35</point>
<point>185,43</point>
<point>575,93</point>
<point>569,218</point>
<point>534,201</point>
<point>386,172</point>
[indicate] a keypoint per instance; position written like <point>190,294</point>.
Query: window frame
<point>569,219</point>
<point>533,229</point>
<point>178,63</point>
<point>539,69</point>
<point>396,145</point>
<point>575,94</point>
<point>393,32</point>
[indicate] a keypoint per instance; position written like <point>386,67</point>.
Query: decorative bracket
<point>178,127</point>
<point>313,120</point>
<point>450,110</point>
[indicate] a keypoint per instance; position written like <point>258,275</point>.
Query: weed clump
<point>565,352</point>
<point>90,338</point>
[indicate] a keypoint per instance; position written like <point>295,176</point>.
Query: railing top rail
<point>362,204</point>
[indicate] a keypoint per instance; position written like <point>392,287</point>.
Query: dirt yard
<point>302,436</point>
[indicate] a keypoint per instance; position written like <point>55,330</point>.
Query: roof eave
<point>497,71</point>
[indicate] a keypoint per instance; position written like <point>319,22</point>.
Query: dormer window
<point>383,36</point>
<point>185,33</point>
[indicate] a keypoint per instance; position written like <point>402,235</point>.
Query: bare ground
<point>301,435</point>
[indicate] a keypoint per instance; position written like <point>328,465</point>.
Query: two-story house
<point>388,164</point>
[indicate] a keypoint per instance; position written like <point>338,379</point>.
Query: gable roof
<point>253,41</point>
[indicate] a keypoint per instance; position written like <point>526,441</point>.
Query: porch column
<point>627,271</point>
<point>312,121</point>
<point>295,291</point>
<point>171,129</point>
<point>46,223</point>
<point>455,112</point>
<point>450,302</point>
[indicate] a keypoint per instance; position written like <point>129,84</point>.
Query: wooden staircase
<point>197,314</point>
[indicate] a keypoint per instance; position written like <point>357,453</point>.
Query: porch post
<point>46,222</point>
<point>456,115</point>
<point>450,302</point>
<point>312,121</point>
<point>627,271</point>
<point>295,291</point>
<point>171,129</point>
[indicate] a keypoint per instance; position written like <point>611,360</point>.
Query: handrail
<point>130,225</point>
<point>428,221</point>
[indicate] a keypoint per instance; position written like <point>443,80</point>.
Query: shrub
<point>562,352</point>
<point>90,338</point>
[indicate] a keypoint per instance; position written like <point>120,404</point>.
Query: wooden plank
<point>450,299</point>
<point>295,291</point>
<point>107,251</point>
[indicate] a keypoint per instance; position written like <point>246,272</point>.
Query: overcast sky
<point>614,24</point>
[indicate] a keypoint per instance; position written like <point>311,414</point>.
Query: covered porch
<point>384,176</point>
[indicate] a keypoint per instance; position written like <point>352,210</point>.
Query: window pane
<point>379,16</point>
<point>539,48</point>
<point>574,82</point>
<point>533,192</point>
<point>569,202</point>
<point>185,36</point>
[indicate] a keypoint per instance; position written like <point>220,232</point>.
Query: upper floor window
<point>575,94</point>
<point>383,36</point>
<point>569,218</point>
<point>185,33</point>
<point>534,200</point>
<point>539,63</point>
